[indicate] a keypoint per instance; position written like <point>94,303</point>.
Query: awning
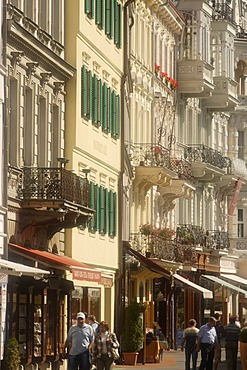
<point>146,262</point>
<point>236,278</point>
<point>80,270</point>
<point>12,268</point>
<point>207,294</point>
<point>217,280</point>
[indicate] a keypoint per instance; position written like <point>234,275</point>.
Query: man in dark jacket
<point>219,327</point>
<point>232,331</point>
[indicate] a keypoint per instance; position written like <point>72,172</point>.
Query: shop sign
<point>86,275</point>
<point>107,282</point>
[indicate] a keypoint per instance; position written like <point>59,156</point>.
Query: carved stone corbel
<point>31,68</point>
<point>16,57</point>
<point>45,77</point>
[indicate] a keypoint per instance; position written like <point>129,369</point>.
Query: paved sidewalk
<point>172,360</point>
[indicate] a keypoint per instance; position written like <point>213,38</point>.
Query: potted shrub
<point>132,339</point>
<point>11,358</point>
<point>243,347</point>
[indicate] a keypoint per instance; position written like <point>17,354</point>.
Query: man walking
<point>219,327</point>
<point>207,338</point>
<point>232,331</point>
<point>189,339</point>
<point>79,342</point>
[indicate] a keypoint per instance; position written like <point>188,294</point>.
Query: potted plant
<point>11,358</point>
<point>243,347</point>
<point>147,229</point>
<point>132,339</point>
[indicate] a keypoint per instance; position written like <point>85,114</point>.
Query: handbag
<point>115,353</point>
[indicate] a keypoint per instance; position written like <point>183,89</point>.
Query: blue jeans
<point>81,361</point>
<point>190,352</point>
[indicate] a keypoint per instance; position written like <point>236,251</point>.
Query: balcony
<point>153,246</point>
<point>188,234</point>
<point>53,198</point>
<point>224,96</point>
<point>207,164</point>
<point>195,78</point>
<point>223,12</point>
<point>217,240</point>
<point>153,165</point>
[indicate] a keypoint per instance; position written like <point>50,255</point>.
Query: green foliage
<point>132,340</point>
<point>11,358</point>
<point>243,335</point>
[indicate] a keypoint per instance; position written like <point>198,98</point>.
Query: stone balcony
<point>224,96</point>
<point>195,78</point>
<point>207,164</point>
<point>153,165</point>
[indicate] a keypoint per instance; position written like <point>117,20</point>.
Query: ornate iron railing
<point>223,12</point>
<point>149,155</point>
<point>217,239</point>
<point>190,234</point>
<point>53,184</point>
<point>154,246</point>
<point>158,156</point>
<point>205,154</point>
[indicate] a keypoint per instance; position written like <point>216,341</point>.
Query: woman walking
<point>105,343</point>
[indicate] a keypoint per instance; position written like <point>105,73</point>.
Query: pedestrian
<point>219,327</point>
<point>104,347</point>
<point>79,343</point>
<point>189,341</point>
<point>232,331</point>
<point>207,338</point>
<point>92,321</point>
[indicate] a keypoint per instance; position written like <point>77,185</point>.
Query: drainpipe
<point>120,286</point>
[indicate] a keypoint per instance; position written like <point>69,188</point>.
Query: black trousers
<point>207,354</point>
<point>231,354</point>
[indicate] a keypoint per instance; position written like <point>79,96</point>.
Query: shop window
<point>86,300</point>
<point>22,325</point>
<point>37,325</point>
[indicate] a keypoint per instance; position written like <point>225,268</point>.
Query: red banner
<point>238,187</point>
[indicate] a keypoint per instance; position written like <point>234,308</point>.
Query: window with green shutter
<point>98,13</point>
<point>89,8</point>
<point>106,211</point>
<point>102,207</point>
<point>90,95</point>
<point>105,107</point>
<point>112,214</point>
<point>112,16</point>
<point>116,22</point>
<point>118,115</point>
<point>84,92</point>
<point>108,17</point>
<point>97,190</point>
<point>113,117</point>
<point>120,23</point>
<point>109,109</point>
<point>95,100</point>
<point>100,104</point>
<point>92,204</point>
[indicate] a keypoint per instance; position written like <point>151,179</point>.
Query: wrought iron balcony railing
<point>46,184</point>
<point>217,239</point>
<point>155,246</point>
<point>205,154</point>
<point>156,155</point>
<point>190,234</point>
<point>222,12</point>
<point>149,155</point>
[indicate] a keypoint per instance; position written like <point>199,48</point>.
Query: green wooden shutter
<point>87,6</point>
<point>106,211</point>
<point>112,18</point>
<point>98,11</point>
<point>116,23</point>
<point>114,214</point>
<point>111,214</point>
<point>90,95</point>
<point>118,116</point>
<point>102,13</point>
<point>107,17</point>
<point>84,92</point>
<point>105,107</point>
<point>92,8</point>
<point>92,222</point>
<point>95,100</point>
<point>100,104</point>
<point>97,208</point>
<point>120,10</point>
<point>109,109</point>
<point>102,210</point>
<point>113,120</point>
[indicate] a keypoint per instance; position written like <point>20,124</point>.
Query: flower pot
<point>148,254</point>
<point>243,355</point>
<point>130,358</point>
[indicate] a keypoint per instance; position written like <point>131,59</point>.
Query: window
<point>240,223</point>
